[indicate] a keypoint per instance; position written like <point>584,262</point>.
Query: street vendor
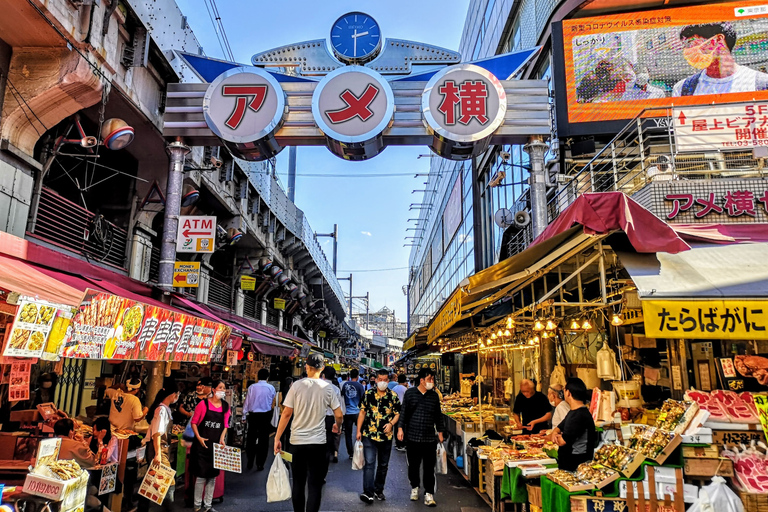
<point>531,408</point>
<point>556,397</point>
<point>73,446</point>
<point>575,435</point>
<point>125,409</point>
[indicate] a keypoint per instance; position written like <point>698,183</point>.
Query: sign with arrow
<point>196,233</point>
<point>186,274</point>
<point>717,128</point>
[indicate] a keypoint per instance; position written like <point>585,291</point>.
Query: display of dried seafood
<point>595,473</point>
<point>567,479</point>
<point>673,414</point>
<point>650,441</point>
<point>614,456</point>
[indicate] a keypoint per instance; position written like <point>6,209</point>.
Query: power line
<point>374,270</point>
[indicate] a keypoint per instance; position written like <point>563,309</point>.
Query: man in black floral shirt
<point>379,412</point>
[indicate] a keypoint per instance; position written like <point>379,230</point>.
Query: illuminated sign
<point>706,319</point>
<point>615,66</point>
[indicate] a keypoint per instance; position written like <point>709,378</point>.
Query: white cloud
<point>366,233</point>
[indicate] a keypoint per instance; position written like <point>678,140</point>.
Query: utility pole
<point>367,298</point>
<point>335,236</point>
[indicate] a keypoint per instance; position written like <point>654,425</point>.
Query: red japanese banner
<point>106,326</point>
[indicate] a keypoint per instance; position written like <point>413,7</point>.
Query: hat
<point>133,384</point>
<point>315,361</point>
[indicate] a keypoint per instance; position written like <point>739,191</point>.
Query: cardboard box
<point>690,491</point>
<point>469,427</point>
<point>71,492</point>
<point>709,467</point>
<point>639,341</point>
<point>701,452</point>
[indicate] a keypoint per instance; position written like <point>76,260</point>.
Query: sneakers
<point>429,500</point>
<point>380,496</point>
<point>415,494</point>
<point>210,509</point>
<point>366,499</point>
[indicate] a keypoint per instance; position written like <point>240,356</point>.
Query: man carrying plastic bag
<point>358,459</point>
<point>278,482</point>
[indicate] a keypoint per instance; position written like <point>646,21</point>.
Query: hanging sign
<point>110,327</point>
<point>31,328</point>
<point>449,314</point>
<point>18,387</point>
<point>706,319</point>
<point>186,274</point>
<point>247,283</point>
<point>321,334</point>
<point>231,357</point>
<point>280,304</point>
<point>196,233</point>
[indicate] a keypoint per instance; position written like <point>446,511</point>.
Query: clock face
<point>355,38</point>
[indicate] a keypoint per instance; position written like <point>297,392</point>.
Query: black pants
<point>332,440</point>
<point>350,421</point>
<point>309,467</point>
<point>259,428</point>
<point>418,454</point>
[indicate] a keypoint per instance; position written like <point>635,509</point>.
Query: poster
<point>156,482</point>
<point>18,388</point>
<point>30,328</point>
<point>106,326</point>
<point>729,371</point>
<point>108,478</point>
<point>227,458</point>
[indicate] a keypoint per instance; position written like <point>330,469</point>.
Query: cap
<point>133,384</point>
<point>205,381</point>
<point>315,361</point>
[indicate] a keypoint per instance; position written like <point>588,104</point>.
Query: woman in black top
<point>576,434</point>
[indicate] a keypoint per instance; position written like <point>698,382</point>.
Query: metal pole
<point>538,183</point>
<point>367,306</point>
<point>350,295</point>
<point>335,246</point>
<point>477,217</point>
<point>292,176</point>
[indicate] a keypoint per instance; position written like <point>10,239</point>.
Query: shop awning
<point>706,271</point>
<point>19,276</point>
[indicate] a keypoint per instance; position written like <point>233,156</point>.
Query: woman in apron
<point>209,422</point>
<point>158,436</point>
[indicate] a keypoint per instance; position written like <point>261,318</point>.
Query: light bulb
<point>535,340</point>
<point>538,326</point>
<point>551,325</point>
<point>490,341</point>
<point>499,334</point>
<point>575,325</point>
<point>586,325</point>
<point>510,322</point>
<point>493,336</point>
<point>479,340</point>
<point>616,319</point>
<point>507,334</point>
<point>545,334</point>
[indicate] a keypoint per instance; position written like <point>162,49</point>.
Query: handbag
<point>275,417</point>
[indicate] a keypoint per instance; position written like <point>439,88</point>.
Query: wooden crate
<point>493,485</point>
<point>534,495</point>
<point>754,502</point>
<point>701,452</point>
<point>708,468</point>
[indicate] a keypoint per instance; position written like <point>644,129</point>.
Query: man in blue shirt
<point>258,411</point>
<point>352,392</point>
<point>392,381</point>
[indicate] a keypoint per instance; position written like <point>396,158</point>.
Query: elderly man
<point>557,400</point>
<point>532,408</point>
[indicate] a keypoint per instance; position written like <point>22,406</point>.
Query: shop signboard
<point>280,304</point>
<point>730,319</point>
<point>186,274</point>
<point>612,67</point>
<point>449,314</point>
<point>761,403</point>
<point>106,326</point>
<point>196,233</point>
<point>247,283</point>
<point>31,328</point>
<point>716,128</point>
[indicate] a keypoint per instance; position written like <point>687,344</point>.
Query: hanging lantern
<point>510,322</point>
<point>575,326</point>
<point>586,325</point>
<point>551,325</point>
<point>617,319</point>
<point>507,334</point>
<point>538,325</point>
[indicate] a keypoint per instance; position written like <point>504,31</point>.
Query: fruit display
<point>650,441</point>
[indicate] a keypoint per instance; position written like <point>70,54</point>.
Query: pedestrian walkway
<point>247,492</point>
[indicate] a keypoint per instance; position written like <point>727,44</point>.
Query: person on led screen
<point>708,48</point>
<point>616,80</point>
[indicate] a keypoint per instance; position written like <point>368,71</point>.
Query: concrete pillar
<point>262,311</point>
<point>205,282</point>
<point>538,181</point>
<point>280,320</point>
<point>239,302</point>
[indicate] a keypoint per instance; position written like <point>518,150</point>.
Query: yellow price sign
<point>279,303</point>
<point>706,319</point>
<point>247,283</point>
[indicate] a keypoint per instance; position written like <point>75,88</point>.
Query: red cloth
<point>601,213</point>
<point>722,233</point>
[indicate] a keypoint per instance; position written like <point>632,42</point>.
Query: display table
<point>513,485</point>
<point>556,498</point>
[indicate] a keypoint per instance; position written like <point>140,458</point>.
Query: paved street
<point>247,492</point>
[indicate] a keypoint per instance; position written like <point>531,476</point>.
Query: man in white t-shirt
<point>125,407</point>
<point>707,47</point>
<point>307,401</point>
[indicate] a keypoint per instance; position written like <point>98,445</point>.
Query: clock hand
<point>354,37</point>
<point>361,34</point>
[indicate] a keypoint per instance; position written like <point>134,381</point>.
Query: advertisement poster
<point>30,329</point>
<point>156,482</point>
<point>110,327</point>
<point>108,478</point>
<point>618,65</point>
<point>18,388</point>
<point>227,458</point>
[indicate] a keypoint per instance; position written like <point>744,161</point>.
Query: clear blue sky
<point>371,212</point>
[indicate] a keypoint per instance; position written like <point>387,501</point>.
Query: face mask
<point>429,385</point>
<point>221,394</point>
<point>697,58</point>
<point>381,385</point>
<point>642,79</point>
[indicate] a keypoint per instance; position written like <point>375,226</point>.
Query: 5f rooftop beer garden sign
<point>357,94</point>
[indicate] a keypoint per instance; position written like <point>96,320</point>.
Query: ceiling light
<point>575,326</point>
<point>617,319</point>
<point>490,341</point>
<point>499,334</point>
<point>493,336</point>
<point>507,334</point>
<point>551,325</point>
<point>586,325</point>
<point>538,325</point>
<point>510,322</point>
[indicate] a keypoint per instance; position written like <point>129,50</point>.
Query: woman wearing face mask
<point>158,436</point>
<point>209,422</point>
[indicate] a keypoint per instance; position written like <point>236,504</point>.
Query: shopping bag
<point>358,459</point>
<point>441,466</point>
<point>189,434</point>
<point>717,496</point>
<point>275,417</point>
<point>278,483</point>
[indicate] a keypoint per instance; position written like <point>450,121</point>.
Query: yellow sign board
<point>186,274</point>
<point>449,314</point>
<point>321,334</point>
<point>247,283</point>
<point>730,319</point>
<point>279,303</point>
<point>761,403</point>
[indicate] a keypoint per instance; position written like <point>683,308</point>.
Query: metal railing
<point>220,293</point>
<point>66,224</point>
<point>644,151</point>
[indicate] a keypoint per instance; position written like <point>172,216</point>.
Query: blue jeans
<point>373,450</point>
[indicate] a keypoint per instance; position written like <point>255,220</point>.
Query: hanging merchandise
<point>607,367</point>
<point>558,376</point>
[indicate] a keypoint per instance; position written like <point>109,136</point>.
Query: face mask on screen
<point>698,57</point>
<point>642,79</point>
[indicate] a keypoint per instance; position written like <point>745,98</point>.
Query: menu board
<point>30,328</point>
<point>106,326</point>
<point>18,388</point>
<point>227,458</point>
<point>108,478</point>
<point>156,482</point>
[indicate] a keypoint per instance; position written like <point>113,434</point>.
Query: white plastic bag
<point>717,496</point>
<point>275,417</point>
<point>358,459</point>
<point>441,466</point>
<point>278,483</point>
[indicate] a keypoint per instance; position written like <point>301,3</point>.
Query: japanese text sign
<point>761,403</point>
<point>732,203</point>
<point>448,315</point>
<point>706,319</point>
<point>186,274</point>
<point>196,233</point>
<point>247,283</point>
<point>31,328</point>
<point>110,327</point>
<point>714,128</point>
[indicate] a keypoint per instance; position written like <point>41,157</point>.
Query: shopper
<point>307,402</point>
<point>158,436</point>
<point>125,408</point>
<point>576,434</point>
<point>371,382</point>
<point>392,380</point>
<point>419,419</point>
<point>400,389</point>
<point>210,423</point>
<point>284,389</point>
<point>103,444</point>
<point>556,398</point>
<point>72,445</point>
<point>191,399</point>
<point>531,408</point>
<point>378,416</point>
<point>258,408</point>
<point>353,392</point>
<point>332,439</point>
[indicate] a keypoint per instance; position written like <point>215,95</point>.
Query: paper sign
<point>108,478</point>
<point>47,451</point>
<point>30,329</point>
<point>156,482</point>
<point>231,357</point>
<point>761,402</point>
<point>279,304</point>
<point>247,283</point>
<point>18,388</point>
<point>729,371</point>
<point>227,458</point>
<point>287,457</point>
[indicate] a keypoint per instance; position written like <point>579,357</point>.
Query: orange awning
<point>21,277</point>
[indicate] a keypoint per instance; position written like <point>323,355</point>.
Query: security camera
<point>505,156</point>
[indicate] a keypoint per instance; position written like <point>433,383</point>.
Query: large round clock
<point>356,38</point>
